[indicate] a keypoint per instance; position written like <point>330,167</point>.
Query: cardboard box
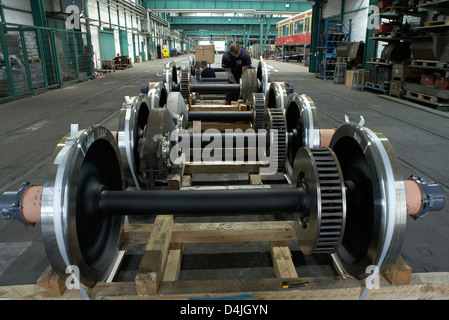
<point>350,78</point>
<point>205,53</point>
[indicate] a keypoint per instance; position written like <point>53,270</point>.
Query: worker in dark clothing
<point>207,72</point>
<point>235,62</point>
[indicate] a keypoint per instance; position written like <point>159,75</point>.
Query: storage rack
<point>329,36</point>
<point>430,93</point>
<point>418,78</point>
<point>396,17</point>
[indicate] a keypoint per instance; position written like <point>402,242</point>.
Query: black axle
<point>224,80</point>
<point>210,87</point>
<point>192,202</point>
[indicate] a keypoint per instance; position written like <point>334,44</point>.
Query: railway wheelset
<point>346,194</point>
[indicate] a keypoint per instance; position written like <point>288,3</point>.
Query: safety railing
<point>38,58</point>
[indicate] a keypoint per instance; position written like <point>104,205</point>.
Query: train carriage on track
<point>294,36</point>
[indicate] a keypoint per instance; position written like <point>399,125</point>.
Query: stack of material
<point>37,76</point>
<point>19,77</point>
<point>14,45</point>
<point>17,63</point>
<point>31,45</point>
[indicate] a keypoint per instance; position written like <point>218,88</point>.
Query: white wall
<point>356,10</point>
<point>132,24</point>
<point>18,17</point>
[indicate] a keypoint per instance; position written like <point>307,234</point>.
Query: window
<point>285,30</point>
<point>299,26</point>
<point>307,25</point>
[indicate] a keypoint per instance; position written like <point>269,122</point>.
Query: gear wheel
<point>320,228</point>
<point>258,107</point>
<point>185,84</point>
<point>275,122</point>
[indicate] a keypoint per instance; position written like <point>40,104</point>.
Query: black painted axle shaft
<point>251,201</point>
<point>208,80</point>
<point>214,88</point>
<point>211,87</point>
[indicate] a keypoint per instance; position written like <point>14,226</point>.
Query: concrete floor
<point>31,127</point>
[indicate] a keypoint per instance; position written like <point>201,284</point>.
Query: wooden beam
<point>254,179</point>
<point>174,259</point>
<point>217,232</point>
<point>282,260</point>
<point>51,284</point>
<point>400,273</point>
<point>433,285</point>
<point>151,268</point>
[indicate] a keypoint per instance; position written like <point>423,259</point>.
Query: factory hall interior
<point>224,150</point>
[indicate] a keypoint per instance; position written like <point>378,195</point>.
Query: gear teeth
<point>258,109</point>
<point>277,119</point>
<point>185,84</point>
<point>332,216</point>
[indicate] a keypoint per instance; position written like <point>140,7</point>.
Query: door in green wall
<point>107,45</point>
<point>123,37</point>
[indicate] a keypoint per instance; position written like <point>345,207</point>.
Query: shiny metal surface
<point>178,109</point>
<point>263,74</point>
<point>132,121</point>
<point>67,237</point>
<point>170,75</point>
<point>157,96</point>
<point>276,96</point>
<point>302,120</point>
<point>377,211</point>
<point>160,124</point>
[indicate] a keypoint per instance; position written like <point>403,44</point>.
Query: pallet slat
<point>217,232</point>
<point>282,260</point>
<point>151,268</point>
<point>51,284</point>
<point>433,285</point>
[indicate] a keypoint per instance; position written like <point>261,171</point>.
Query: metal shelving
<point>330,36</point>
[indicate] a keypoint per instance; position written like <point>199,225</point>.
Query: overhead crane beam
<point>222,20</point>
<point>230,6</point>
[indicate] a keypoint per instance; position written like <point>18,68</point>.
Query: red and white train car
<point>294,35</point>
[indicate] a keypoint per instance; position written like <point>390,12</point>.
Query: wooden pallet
<point>435,101</point>
<point>158,273</point>
<point>382,61</point>
<point>422,96</point>
<point>436,23</point>
<point>429,63</point>
<point>105,71</point>
<point>377,87</point>
<point>122,66</point>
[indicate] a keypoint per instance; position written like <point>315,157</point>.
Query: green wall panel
<point>123,38</point>
<point>107,45</point>
<point>229,4</point>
